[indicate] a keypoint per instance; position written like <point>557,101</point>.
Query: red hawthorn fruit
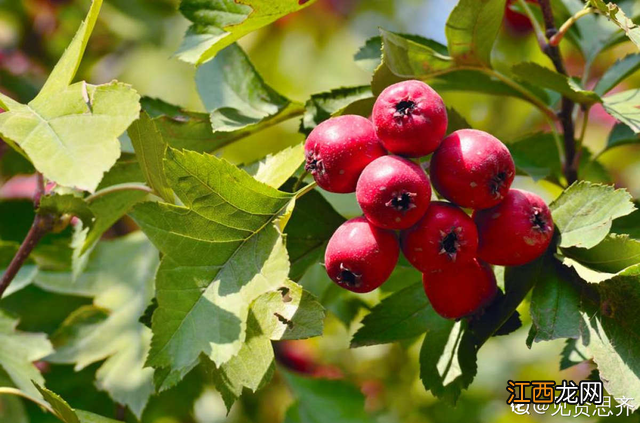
<point>517,22</point>
<point>393,193</point>
<point>339,149</point>
<point>473,169</point>
<point>446,236</point>
<point>360,257</point>
<point>410,118</point>
<point>460,291</point>
<point>516,231</point>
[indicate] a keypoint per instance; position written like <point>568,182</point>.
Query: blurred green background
<point>299,55</point>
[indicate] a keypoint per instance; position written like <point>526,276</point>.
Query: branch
<point>42,224</point>
<point>571,158</point>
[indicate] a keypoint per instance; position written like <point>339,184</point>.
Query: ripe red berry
<point>339,149</point>
<point>459,291</point>
<point>445,236</point>
<point>410,118</point>
<point>360,257</point>
<point>516,231</point>
<point>472,169</point>
<point>393,193</point>
<point>517,22</point>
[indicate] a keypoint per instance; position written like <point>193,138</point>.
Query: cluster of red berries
<point>470,168</point>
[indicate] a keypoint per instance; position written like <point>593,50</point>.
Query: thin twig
<point>557,37</point>
<point>566,110</point>
<point>300,180</point>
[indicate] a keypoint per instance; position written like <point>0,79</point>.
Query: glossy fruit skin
<point>410,118</point>
<point>445,236</point>
<point>518,23</point>
<point>460,291</point>
<point>516,231</point>
<point>360,257</point>
<point>338,149</point>
<point>472,169</point>
<point>393,192</point>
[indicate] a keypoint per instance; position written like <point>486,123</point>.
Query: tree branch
<point>571,157</point>
<point>42,224</point>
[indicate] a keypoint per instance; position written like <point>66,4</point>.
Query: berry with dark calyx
<point>445,236</point>
<point>359,256</point>
<point>393,193</point>
<point>459,291</point>
<point>472,169</point>
<point>516,231</point>
<point>339,149</point>
<point>410,118</point>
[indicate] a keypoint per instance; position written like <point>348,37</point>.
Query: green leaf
<point>456,121</point>
<point>614,254</point>
<point>555,302</point>
<point>217,24</point>
<point>408,57</point>
<point>617,73</point>
<point>18,351</point>
<point>237,97</point>
<point>621,134</point>
<point>624,107</point>
<point>610,331</point>
<point>541,76</point>
<point>70,132</point>
<point>537,156</point>
<point>228,220</point>
<point>404,314</point>
<point>472,29</point>
<point>584,213</point>
<point>325,401</point>
<point>275,169</point>
<point>369,56</point>
<point>629,224</point>
<point>618,17</point>
<point>322,106</point>
<point>58,205</point>
<point>311,225</point>
<point>67,414</point>
<point>150,148</point>
<point>448,359</point>
<point>119,278</point>
<point>574,352</point>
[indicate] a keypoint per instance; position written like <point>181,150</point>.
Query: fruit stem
<point>555,40</point>
<point>42,224</point>
<point>305,189</point>
<point>300,180</point>
<point>119,187</point>
<point>571,156</point>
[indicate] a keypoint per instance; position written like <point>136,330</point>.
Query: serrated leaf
<point>621,134</point>
<point>58,205</point>
<point>617,73</point>
<point>614,254</point>
<point>555,301</point>
<point>541,76</point>
<point>448,359</point>
<point>150,149</point>
<point>312,223</point>
<point>18,351</point>
<point>322,106</point>
<point>471,30</point>
<point>67,414</point>
<point>536,155</point>
<point>275,169</point>
<point>573,353</point>
<point>610,331</point>
<point>237,97</point>
<point>217,24</point>
<point>624,107</point>
<point>408,57</point>
<point>119,278</point>
<point>325,401</point>
<point>584,213</point>
<point>615,14</point>
<point>629,224</point>
<point>70,132</point>
<point>228,220</point>
<point>369,56</point>
<point>403,314</point>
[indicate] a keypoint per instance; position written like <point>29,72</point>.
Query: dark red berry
<point>360,257</point>
<point>472,169</point>
<point>460,291</point>
<point>410,118</point>
<point>339,149</point>
<point>393,193</point>
<point>518,23</point>
<point>446,236</point>
<point>516,231</point>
